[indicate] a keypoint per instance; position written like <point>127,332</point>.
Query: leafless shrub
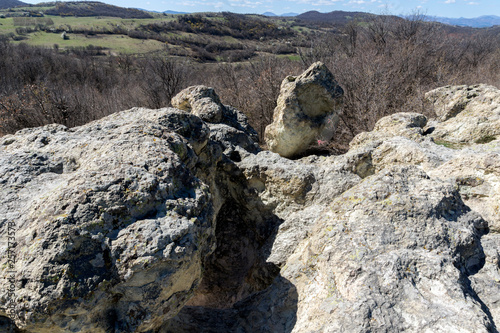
<point>387,66</point>
<point>384,66</point>
<point>161,79</point>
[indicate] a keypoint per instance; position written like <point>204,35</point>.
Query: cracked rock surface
<point>174,220</point>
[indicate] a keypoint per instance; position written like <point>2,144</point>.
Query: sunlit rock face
<point>308,110</point>
<point>174,221</point>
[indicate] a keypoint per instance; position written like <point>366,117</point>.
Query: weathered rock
<point>391,254</point>
<point>399,139</point>
<point>468,114</point>
<point>307,110</point>
<point>477,175</point>
<point>449,101</point>
<point>295,192</point>
<point>201,101</point>
<point>486,283</point>
<point>228,126</point>
<point>153,220</point>
<point>408,125</point>
<point>111,222</point>
<point>402,151</point>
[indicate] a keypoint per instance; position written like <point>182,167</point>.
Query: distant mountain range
<point>337,16</point>
<point>342,17</point>
<point>4,4</point>
<point>282,15</point>
<point>478,22</point>
<point>174,12</point>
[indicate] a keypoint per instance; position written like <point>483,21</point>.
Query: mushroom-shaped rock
<point>201,101</point>
<point>308,110</point>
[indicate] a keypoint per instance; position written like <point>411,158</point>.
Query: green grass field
<point>7,25</point>
<point>114,43</point>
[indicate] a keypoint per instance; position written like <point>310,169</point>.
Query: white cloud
<point>318,2</point>
<point>362,2</point>
<point>449,1</point>
<point>245,3</point>
<point>202,3</point>
<point>324,2</point>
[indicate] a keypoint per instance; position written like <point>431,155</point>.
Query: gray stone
<point>111,221</point>
<point>408,125</point>
<point>308,110</point>
<point>155,220</point>
<point>201,101</point>
<point>468,114</point>
<point>391,254</point>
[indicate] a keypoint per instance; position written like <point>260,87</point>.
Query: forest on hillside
<point>385,66</point>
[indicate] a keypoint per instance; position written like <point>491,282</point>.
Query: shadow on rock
<point>240,290</point>
<point>272,310</point>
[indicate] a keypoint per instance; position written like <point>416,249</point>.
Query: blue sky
<point>446,8</point>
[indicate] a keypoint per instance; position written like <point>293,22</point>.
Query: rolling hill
<point>338,16</point>
<point>4,4</point>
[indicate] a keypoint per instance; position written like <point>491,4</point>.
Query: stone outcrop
<point>308,110</point>
<point>471,114</point>
<point>201,101</point>
<point>390,252</point>
<point>155,220</point>
<point>407,125</point>
<point>113,219</point>
<point>112,223</point>
<point>229,126</point>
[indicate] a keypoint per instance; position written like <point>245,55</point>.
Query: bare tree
<point>161,79</point>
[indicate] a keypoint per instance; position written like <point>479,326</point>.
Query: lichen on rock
<point>112,223</point>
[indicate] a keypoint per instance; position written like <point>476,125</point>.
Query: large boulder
<point>467,114</point>
<point>391,254</point>
<point>201,101</point>
<point>308,110</point>
<point>296,193</point>
<point>405,124</point>
<point>112,221</point>
<point>228,125</point>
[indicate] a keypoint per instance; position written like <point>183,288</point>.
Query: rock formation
<point>471,113</point>
<point>307,111</point>
<point>156,220</point>
<point>201,101</point>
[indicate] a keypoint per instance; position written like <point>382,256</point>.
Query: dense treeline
<point>93,8</point>
<point>385,66</point>
<point>234,25</point>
